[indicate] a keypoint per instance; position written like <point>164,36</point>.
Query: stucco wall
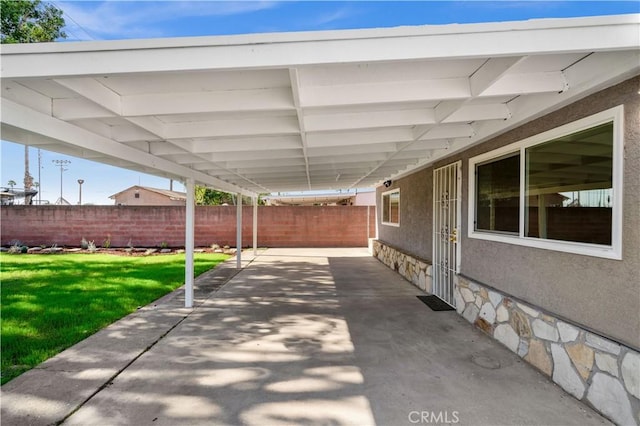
<point>416,211</point>
<point>600,294</point>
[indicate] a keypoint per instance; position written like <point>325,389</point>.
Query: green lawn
<point>50,302</point>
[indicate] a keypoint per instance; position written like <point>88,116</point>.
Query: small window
<point>136,195</point>
<point>391,207</point>
<point>559,190</point>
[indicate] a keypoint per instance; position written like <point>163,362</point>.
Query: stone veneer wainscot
<point>595,370</point>
<point>412,269</point>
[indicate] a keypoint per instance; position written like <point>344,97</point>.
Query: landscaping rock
<point>34,250</point>
<point>165,250</point>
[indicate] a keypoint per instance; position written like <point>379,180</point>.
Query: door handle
<point>453,237</point>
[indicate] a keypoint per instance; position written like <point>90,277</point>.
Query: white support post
<point>255,226</point>
<point>189,244</point>
<point>238,231</point>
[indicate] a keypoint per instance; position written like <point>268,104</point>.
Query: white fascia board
<point>32,121</point>
<point>296,49</point>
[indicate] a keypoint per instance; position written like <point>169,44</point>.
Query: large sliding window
<point>560,190</point>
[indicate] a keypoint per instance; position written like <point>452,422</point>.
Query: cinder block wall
<point>336,226</point>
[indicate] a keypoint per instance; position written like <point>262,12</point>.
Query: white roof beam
<point>319,140</point>
<point>130,133</point>
<point>468,113</point>
<point>150,124</point>
<point>331,159</point>
<point>274,163</point>
<point>269,170</point>
<point>255,155</point>
<point>91,89</point>
<point>385,92</point>
<point>38,123</point>
<point>245,144</point>
<point>78,109</point>
<point>197,102</point>
<point>295,90</point>
<point>26,96</point>
<point>226,128</point>
<point>490,72</point>
<point>367,120</point>
<point>518,84</point>
<point>449,131</point>
<point>353,149</point>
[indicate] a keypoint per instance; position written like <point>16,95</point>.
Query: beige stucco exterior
<point>598,294</point>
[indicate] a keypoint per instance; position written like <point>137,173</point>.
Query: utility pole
<point>61,164</point>
<point>39,179</point>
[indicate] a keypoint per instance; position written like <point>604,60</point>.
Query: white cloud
<point>129,19</point>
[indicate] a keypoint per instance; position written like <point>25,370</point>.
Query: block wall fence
<point>150,226</point>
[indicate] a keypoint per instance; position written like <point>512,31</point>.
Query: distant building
<point>332,199</point>
<point>145,196</point>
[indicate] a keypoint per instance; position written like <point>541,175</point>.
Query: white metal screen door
<point>447,185</point>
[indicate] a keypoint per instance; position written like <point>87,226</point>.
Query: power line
<point>74,21</point>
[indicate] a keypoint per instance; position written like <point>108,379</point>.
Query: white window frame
<point>392,191</point>
<point>613,251</point>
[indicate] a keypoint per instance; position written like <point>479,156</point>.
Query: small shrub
<point>24,249</point>
<point>16,247</point>
<point>84,244</point>
<point>164,245</point>
<point>215,246</point>
<point>107,242</point>
<point>91,246</point>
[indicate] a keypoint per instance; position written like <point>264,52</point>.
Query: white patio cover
<point>305,111</point>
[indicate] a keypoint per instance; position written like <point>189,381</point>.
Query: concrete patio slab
<point>303,336</point>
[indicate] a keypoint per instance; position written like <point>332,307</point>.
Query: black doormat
<point>435,304</point>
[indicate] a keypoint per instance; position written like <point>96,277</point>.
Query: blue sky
<point>104,20</point>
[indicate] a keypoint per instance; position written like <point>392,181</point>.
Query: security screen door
<point>447,185</point>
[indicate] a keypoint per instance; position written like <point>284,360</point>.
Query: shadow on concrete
<point>310,337</point>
